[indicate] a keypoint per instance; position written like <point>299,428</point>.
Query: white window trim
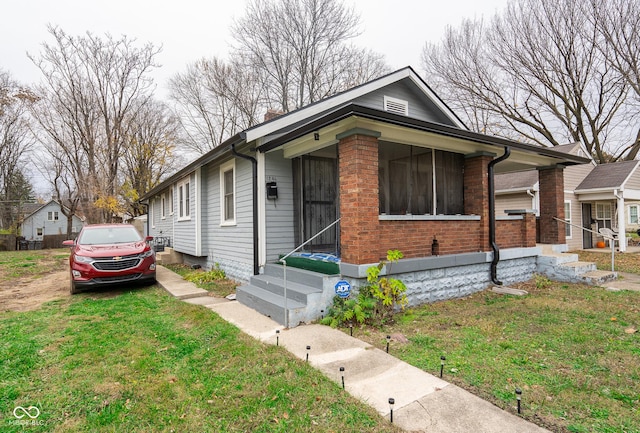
<point>185,184</point>
<point>567,218</point>
<point>163,206</point>
<point>171,200</point>
<point>53,215</point>
<point>637,214</point>
<point>231,165</point>
<point>152,213</point>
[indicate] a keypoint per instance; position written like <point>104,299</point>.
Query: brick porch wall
<point>517,233</point>
<point>552,205</point>
<point>366,239</point>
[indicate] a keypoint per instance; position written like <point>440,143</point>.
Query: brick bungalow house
<point>385,165</point>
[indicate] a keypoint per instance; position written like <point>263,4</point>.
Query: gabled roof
<point>515,182</point>
<point>310,111</point>
<point>295,131</point>
<point>608,176</point>
<point>41,206</point>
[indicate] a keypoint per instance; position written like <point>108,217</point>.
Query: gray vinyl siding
<point>39,220</point>
<point>161,226</point>
<point>230,246</point>
<point>185,230</point>
<point>279,213</point>
<point>420,107</point>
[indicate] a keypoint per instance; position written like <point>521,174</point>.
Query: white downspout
<point>622,234</point>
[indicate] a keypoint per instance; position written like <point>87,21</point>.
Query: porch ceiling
<point>522,156</point>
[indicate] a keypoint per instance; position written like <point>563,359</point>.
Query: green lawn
<point>143,361</point>
<point>573,350</point>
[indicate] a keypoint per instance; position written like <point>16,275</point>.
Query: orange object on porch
<point>601,244</point>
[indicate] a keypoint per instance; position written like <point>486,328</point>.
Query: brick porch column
<point>552,205</point>
<point>359,201</point>
<point>476,192</point>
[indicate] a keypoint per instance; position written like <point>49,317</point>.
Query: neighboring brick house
<point>593,197</point>
<point>388,159</point>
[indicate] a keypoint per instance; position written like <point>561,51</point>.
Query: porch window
<point>184,202</point>
<point>227,193</point>
<point>52,216</point>
<point>39,231</point>
<point>567,218</point>
<point>420,181</point>
<point>633,214</point>
<point>163,206</point>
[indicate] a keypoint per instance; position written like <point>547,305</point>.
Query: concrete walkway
<point>423,402</point>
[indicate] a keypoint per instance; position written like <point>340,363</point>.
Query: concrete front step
<point>598,278</point>
<point>168,257</point>
<point>296,291</point>
<point>270,304</point>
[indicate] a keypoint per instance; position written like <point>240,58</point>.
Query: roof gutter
<point>254,166</point>
<point>492,217</point>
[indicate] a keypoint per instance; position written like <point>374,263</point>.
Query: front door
<point>587,237</point>
<point>317,194</point>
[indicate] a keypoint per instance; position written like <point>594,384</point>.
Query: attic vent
<point>397,106</point>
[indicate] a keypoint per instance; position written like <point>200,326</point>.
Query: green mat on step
<point>319,263</point>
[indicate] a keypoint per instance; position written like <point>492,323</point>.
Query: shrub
<point>376,302</point>
<point>199,277</point>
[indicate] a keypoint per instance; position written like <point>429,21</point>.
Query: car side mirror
<point>148,239</point>
<point>68,243</point>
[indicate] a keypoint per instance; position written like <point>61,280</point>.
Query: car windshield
<point>109,235</point>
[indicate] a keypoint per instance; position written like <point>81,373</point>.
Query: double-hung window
<point>52,216</point>
<point>228,193</point>
<point>184,200</point>
<point>567,218</point>
<point>633,214</point>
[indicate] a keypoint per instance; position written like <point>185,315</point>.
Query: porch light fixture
<point>342,374</point>
<point>518,397</point>
<point>316,135</point>
<point>391,403</point>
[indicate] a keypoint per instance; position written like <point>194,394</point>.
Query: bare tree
<point>15,143</point>
<point>92,87</point>
<point>539,72</point>
<point>301,47</point>
<point>149,153</point>
<point>215,100</point>
<point>618,21</point>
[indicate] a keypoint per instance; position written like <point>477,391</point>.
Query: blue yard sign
<point>343,289</point>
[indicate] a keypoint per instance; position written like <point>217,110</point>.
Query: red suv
<point>110,254</point>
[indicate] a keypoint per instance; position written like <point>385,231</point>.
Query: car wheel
<point>72,286</point>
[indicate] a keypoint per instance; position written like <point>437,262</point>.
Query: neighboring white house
<point>48,219</point>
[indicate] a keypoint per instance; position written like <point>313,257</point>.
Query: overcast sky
<point>188,29</point>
